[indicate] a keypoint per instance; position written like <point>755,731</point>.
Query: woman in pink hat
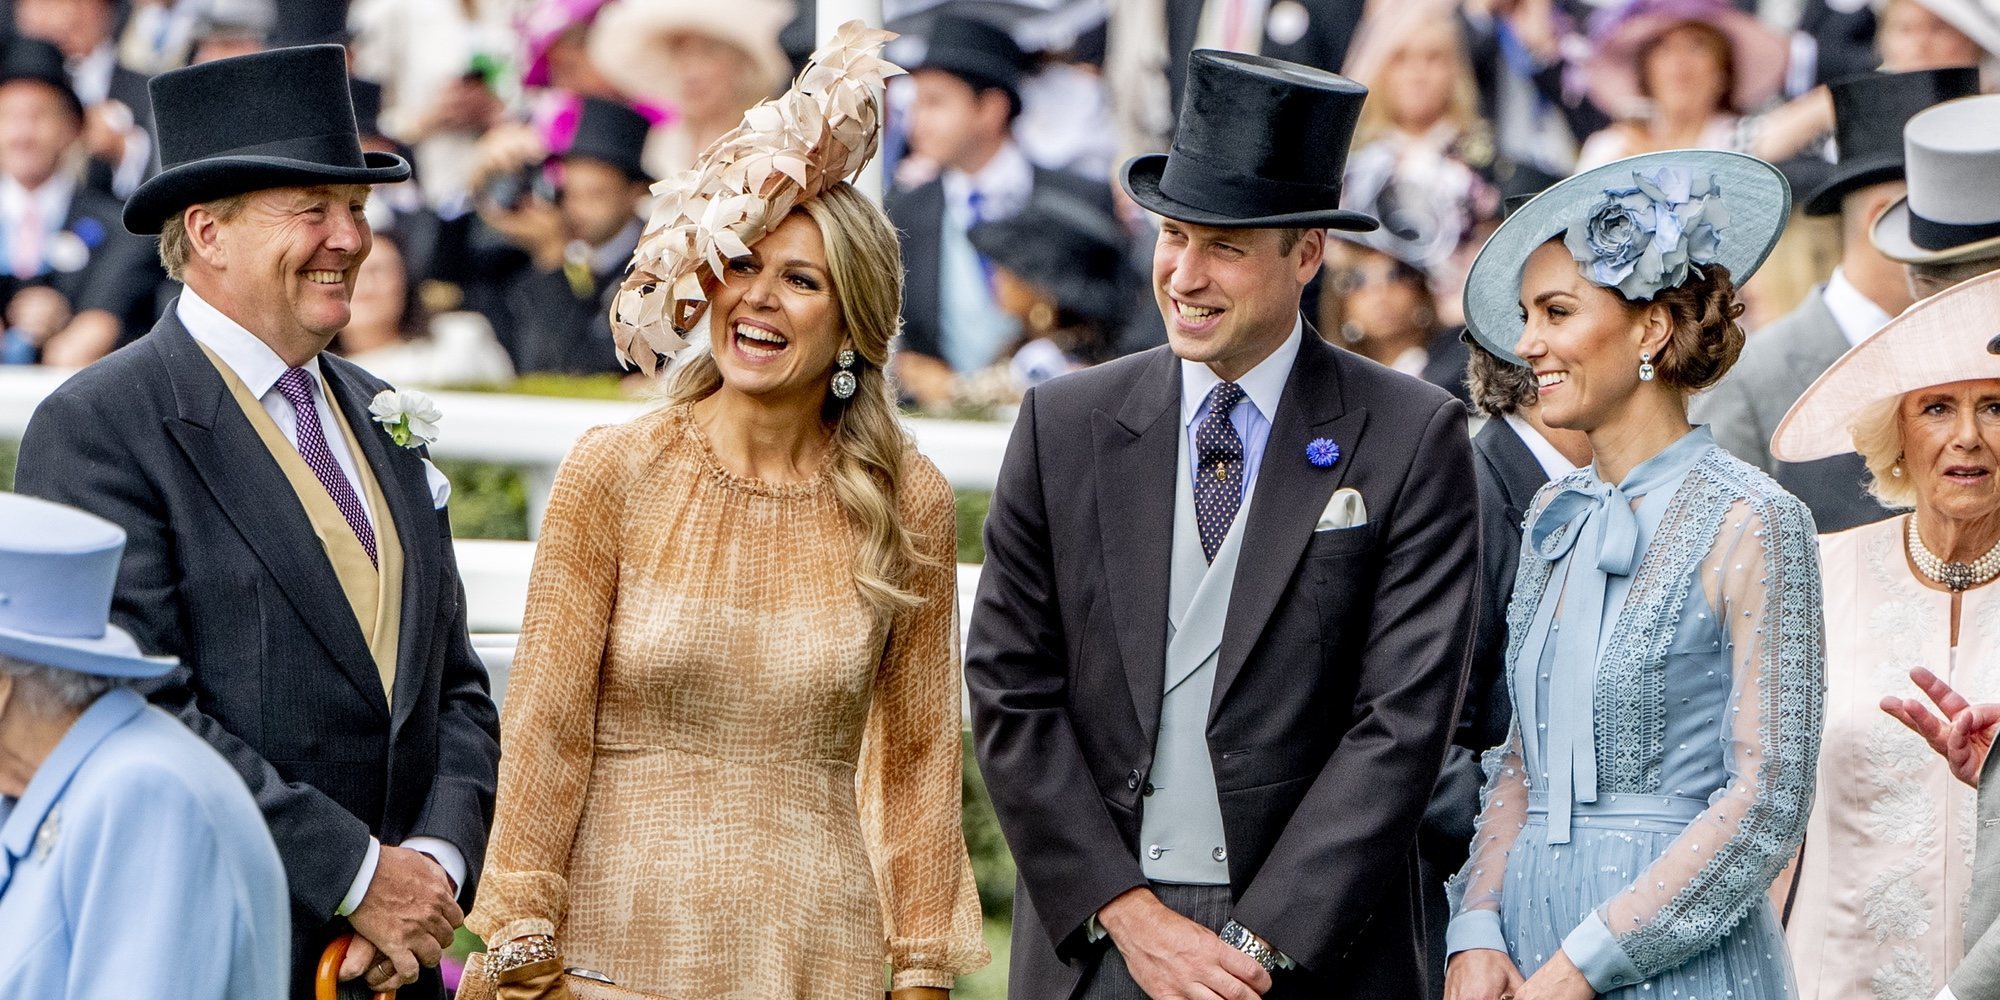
<point>1678,74</point>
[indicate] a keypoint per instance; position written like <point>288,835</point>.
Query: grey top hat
<point>1728,209</point>
<point>58,568</point>
<point>1952,213</point>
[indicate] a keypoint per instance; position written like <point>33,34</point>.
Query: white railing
<point>533,433</point>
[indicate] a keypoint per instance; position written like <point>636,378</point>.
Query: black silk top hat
<point>282,118</point>
<point>1261,143</point>
<point>610,132</point>
<point>982,53</point>
<point>1071,249</point>
<point>36,60</point>
<point>1869,112</point>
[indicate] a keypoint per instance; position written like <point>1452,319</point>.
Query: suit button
<point>1220,854</point>
<point>1155,851</point>
<point>1132,780</point>
<point>1148,790</point>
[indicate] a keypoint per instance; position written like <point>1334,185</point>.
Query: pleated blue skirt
<point>1550,889</point>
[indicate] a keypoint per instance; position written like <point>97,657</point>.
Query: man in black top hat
<point>73,282</point>
<point>578,235</point>
<point>289,540</point>
<point>117,109</point>
<point>1228,601</point>
<point>968,95</point>
<point>1865,291</point>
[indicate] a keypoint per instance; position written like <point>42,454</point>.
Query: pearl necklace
<point>1958,576</point>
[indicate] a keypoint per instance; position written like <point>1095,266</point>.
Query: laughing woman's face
<point>774,323</point>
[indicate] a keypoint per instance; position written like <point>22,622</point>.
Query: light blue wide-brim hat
<point>1754,194</point>
<point>58,568</point>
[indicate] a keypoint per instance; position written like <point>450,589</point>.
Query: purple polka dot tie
<point>1218,470</point>
<point>296,386</point>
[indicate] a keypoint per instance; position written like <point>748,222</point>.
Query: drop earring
<point>844,382</point>
<point>1896,470</point>
<point>1645,366</point>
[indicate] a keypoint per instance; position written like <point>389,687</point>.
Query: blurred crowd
<point>537,126</point>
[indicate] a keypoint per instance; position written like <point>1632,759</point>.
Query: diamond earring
<point>1645,366</point>
<point>844,382</point>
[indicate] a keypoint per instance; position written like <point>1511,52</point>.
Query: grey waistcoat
<point>1180,824</point>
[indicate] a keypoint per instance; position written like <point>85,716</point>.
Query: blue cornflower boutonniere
<point>1322,452</point>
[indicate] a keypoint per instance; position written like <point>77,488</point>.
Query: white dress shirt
<point>1856,314</point>
<point>259,367</point>
<point>51,204</point>
<point>1004,184</point>
<point>1552,461</point>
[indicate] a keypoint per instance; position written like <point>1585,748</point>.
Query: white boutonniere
<point>410,417</point>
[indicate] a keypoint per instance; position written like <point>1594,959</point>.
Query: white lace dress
<point>1881,904</point>
<point>1667,658</point>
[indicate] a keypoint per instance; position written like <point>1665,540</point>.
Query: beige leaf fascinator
<point>787,151</point>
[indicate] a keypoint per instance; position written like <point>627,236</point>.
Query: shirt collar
<point>1263,385</point>
<point>1552,461</point>
<point>114,709</point>
<point>251,359</point>
<point>1005,183</point>
<point>51,199</point>
<point>1856,314</point>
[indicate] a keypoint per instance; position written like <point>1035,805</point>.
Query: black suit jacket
<point>1342,659</point>
<point>918,215</point>
<point>122,275</point>
<point>1508,476</point>
<point>1329,30</point>
<point>223,570</point>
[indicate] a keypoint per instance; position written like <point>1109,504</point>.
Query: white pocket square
<point>1345,510</point>
<point>440,487</point>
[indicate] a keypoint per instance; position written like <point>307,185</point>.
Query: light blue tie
<point>1593,518</point>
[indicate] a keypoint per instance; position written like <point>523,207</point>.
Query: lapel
<point>1519,473</point>
<point>1291,493</point>
<point>1821,347</point>
<point>1135,451</point>
<point>253,493</point>
<point>400,473</point>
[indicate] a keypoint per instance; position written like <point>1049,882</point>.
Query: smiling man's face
<point>290,258</point>
<point>1231,296</point>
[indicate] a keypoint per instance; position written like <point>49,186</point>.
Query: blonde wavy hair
<point>869,443</point>
<point>1878,437</point>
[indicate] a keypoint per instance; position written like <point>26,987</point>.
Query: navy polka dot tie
<point>1218,469</point>
<point>296,386</point>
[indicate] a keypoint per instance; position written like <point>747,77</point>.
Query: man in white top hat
<point>1947,229</point>
<point>133,861</point>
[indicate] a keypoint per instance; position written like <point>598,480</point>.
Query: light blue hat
<point>1634,226</point>
<point>58,567</point>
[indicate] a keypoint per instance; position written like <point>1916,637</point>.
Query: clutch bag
<point>583,984</point>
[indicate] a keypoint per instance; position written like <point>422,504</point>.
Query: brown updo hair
<point>1706,338</point>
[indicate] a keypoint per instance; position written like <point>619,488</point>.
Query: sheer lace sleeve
<point>1762,579</point>
<point>1475,890</point>
<point>909,774</point>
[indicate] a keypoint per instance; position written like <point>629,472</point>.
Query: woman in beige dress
<point>1880,906</point>
<point>732,729</point>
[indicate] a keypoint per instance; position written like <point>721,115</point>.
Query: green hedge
<point>9,451</point>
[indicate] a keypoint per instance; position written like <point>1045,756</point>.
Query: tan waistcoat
<point>376,598</point>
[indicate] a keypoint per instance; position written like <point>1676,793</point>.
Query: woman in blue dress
<point>1665,644</point>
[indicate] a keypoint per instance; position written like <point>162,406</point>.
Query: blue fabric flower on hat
<point>1646,237</point>
<point>1322,452</point>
